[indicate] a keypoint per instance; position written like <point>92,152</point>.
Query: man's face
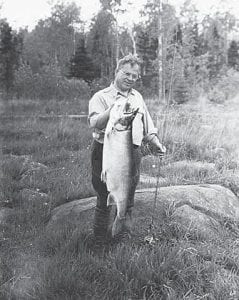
<point>126,77</point>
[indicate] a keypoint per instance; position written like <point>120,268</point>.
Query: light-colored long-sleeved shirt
<point>102,101</point>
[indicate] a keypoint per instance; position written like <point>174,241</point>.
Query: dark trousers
<point>98,185</point>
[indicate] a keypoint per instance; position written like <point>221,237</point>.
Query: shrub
<point>48,84</point>
<point>225,88</point>
<point>99,84</point>
<point>148,86</point>
<point>181,91</point>
<point>72,89</point>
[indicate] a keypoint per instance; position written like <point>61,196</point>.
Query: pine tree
<point>196,41</point>
<point>10,48</point>
<point>216,55</point>
<point>233,55</point>
<point>180,90</point>
<point>81,65</point>
<point>177,35</point>
<point>147,50</point>
<point>101,42</point>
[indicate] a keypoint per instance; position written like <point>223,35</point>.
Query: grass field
<point>39,263</point>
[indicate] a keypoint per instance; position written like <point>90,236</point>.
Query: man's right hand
<point>103,118</point>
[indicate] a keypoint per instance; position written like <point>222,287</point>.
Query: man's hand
<point>128,117</point>
<point>156,147</point>
<point>103,118</point>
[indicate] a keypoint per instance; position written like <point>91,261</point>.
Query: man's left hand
<point>158,149</point>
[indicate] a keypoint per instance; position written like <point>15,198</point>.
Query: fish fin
<point>110,200</point>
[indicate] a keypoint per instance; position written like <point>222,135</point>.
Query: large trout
<point>118,169</point>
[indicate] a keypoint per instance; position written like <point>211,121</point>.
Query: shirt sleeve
<point>149,127</point>
<point>97,109</point>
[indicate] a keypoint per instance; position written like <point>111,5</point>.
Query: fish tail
<point>119,226</point>
<point>110,200</point>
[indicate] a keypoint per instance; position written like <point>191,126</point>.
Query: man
<point>126,74</point>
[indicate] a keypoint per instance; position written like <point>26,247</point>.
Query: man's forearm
<point>99,121</point>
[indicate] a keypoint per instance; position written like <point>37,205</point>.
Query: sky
<point>22,13</point>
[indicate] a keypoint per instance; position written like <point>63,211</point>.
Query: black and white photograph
<point>119,150</point>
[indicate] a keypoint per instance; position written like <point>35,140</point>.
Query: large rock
<point>210,199</point>
<point>31,166</point>
<point>71,210</point>
<point>196,221</point>
<point>200,207</point>
<point>32,174</point>
<point>203,208</point>
<point>26,162</point>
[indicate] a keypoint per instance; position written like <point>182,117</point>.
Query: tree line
<point>181,56</point>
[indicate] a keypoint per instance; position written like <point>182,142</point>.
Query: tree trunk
<point>131,34</point>
<point>160,53</point>
<point>117,39</point>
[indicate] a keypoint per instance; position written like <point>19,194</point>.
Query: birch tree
<point>159,24</point>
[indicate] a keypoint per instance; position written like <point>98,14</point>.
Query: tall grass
<point>195,135</point>
<point>208,135</point>
<point>63,262</point>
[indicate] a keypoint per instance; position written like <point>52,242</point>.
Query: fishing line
<point>151,237</point>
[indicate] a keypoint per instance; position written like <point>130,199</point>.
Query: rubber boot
<point>101,225</point>
<point>128,223</point>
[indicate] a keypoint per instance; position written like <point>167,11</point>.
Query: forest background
<point>61,58</point>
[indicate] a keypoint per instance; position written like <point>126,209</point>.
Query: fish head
<point>126,117</point>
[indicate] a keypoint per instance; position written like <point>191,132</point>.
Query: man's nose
<point>131,77</point>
